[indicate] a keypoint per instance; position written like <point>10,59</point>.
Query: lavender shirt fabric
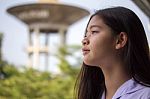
<point>131,90</point>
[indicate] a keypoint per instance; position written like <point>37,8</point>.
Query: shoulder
<point>142,93</point>
<point>137,91</point>
<point>145,93</point>
<point>132,90</point>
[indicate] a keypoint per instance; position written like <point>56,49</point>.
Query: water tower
<point>45,18</point>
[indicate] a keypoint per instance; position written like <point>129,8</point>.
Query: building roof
<point>144,5</point>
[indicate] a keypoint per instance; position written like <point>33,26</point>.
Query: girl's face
<point>98,43</point>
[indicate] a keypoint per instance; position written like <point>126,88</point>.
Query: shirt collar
<point>128,87</point>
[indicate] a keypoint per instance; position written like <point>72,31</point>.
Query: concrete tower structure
<point>45,17</point>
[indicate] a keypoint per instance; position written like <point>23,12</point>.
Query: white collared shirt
<point>131,90</point>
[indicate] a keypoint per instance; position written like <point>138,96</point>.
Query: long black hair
<point>90,82</point>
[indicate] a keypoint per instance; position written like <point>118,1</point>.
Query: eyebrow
<point>95,26</point>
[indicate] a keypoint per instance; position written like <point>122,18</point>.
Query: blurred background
<point>40,44</point>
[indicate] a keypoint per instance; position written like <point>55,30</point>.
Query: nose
<point>85,41</point>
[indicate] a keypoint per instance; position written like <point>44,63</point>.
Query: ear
<point>121,40</point>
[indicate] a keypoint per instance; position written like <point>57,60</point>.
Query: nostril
<point>85,42</point>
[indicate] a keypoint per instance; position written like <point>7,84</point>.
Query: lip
<point>85,51</point>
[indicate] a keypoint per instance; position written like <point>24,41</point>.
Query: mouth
<point>85,51</point>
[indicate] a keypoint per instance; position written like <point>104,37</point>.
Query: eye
<point>94,32</point>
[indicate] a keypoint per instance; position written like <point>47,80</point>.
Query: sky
<point>16,32</point>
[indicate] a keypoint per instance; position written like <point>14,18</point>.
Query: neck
<point>114,78</point>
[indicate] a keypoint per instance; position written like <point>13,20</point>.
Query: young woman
<point>116,63</point>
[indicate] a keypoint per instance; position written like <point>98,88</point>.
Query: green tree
<point>65,66</point>
<point>34,84</point>
<point>1,38</point>
<point>2,74</point>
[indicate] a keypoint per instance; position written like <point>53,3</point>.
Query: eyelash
<point>92,32</point>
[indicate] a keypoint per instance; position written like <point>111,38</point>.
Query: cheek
<point>104,47</point>
<point>102,50</point>
<point>94,55</point>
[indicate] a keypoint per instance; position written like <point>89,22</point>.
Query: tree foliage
<point>34,84</point>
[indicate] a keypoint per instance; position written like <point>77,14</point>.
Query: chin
<point>89,63</point>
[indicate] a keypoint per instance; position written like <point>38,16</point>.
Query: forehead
<point>96,20</point>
